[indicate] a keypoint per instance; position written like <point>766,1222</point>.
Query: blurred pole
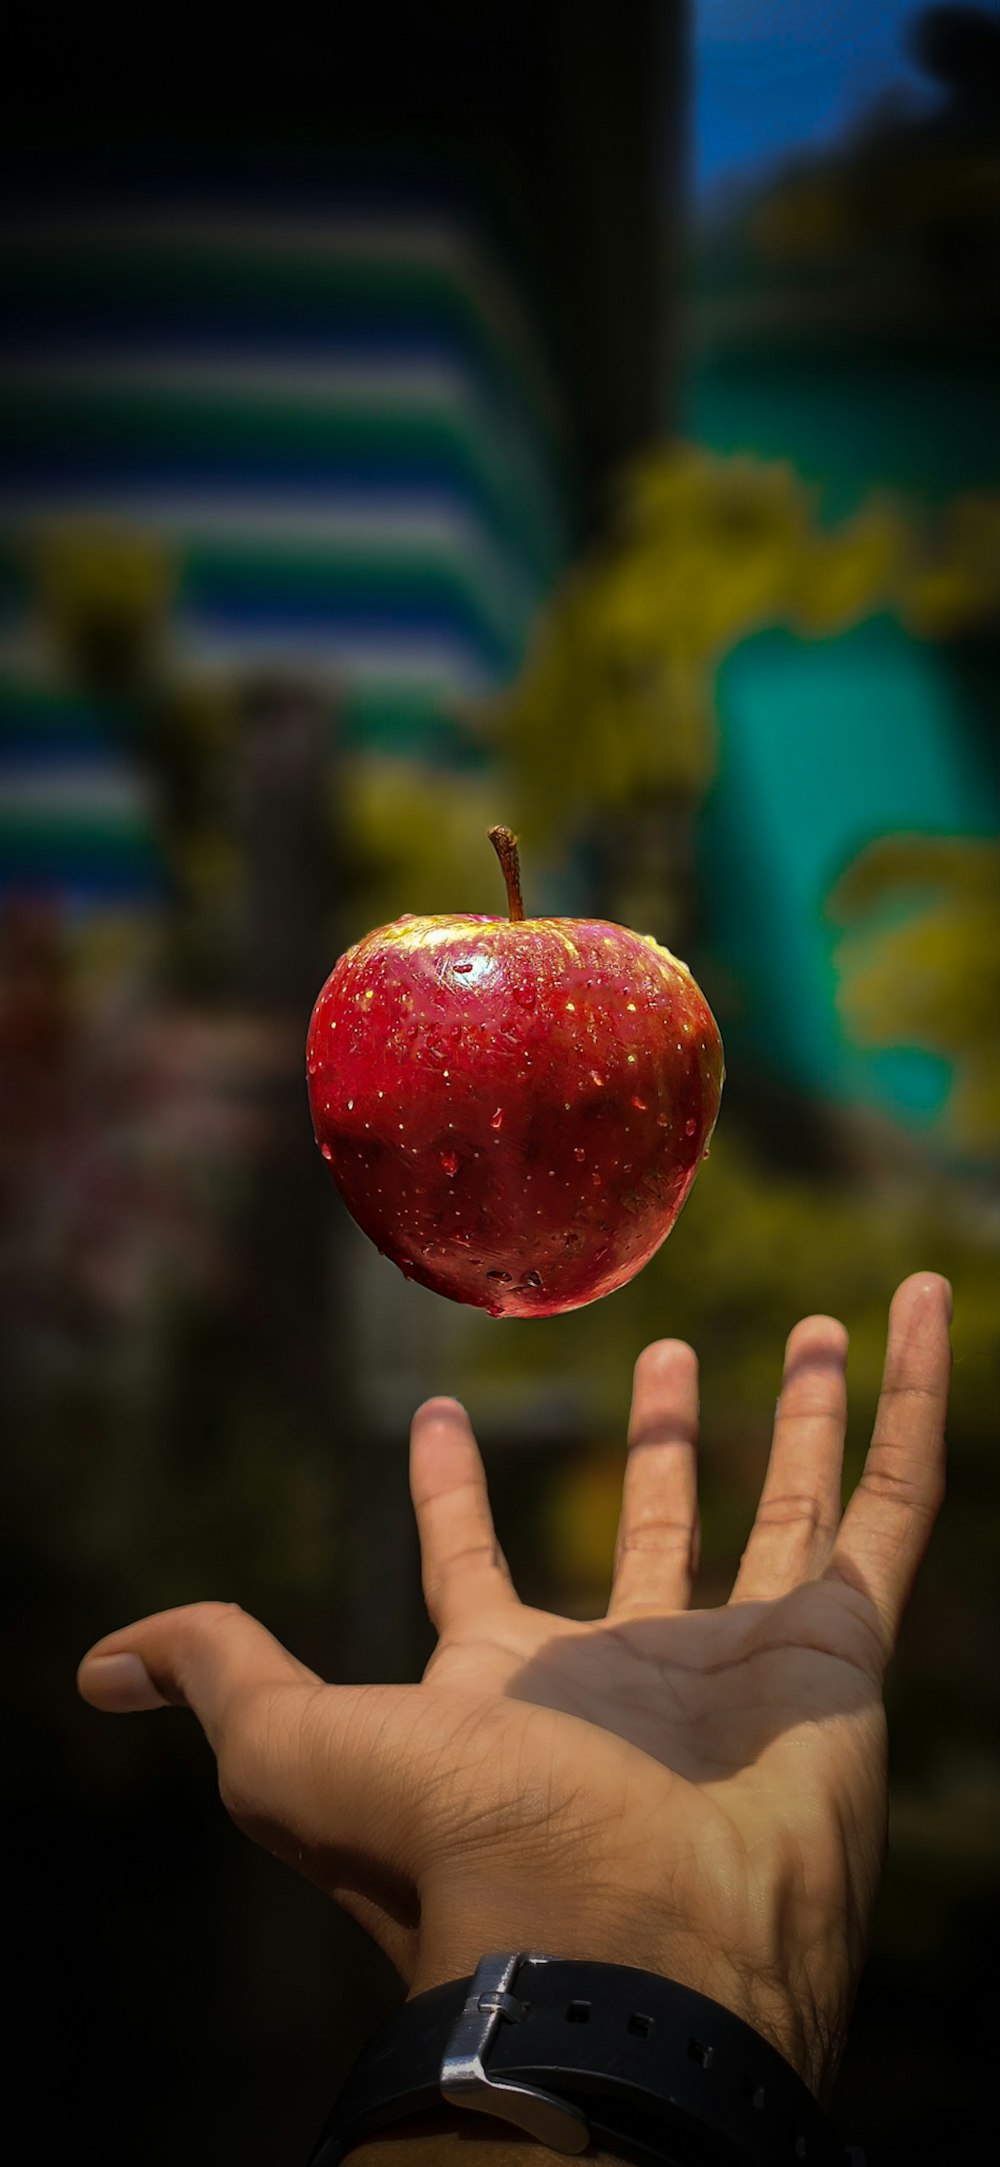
<point>618,181</point>
<point>616,159</point>
<point>288,901</point>
<point>303,1302</point>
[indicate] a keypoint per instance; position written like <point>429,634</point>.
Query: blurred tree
<point>104,595</point>
<point>616,699</point>
<point>920,965</point>
<point>954,586</point>
<point>419,837</point>
<point>182,1262</point>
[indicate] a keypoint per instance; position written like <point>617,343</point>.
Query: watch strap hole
<point>578,2012</point>
<point>641,2026</point>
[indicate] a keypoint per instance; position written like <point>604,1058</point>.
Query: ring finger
<point>799,1510</point>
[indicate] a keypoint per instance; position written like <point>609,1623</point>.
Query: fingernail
<point>951,1299</point>
<point>122,1684</point>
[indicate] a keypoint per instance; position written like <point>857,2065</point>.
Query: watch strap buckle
<point>465,2080</point>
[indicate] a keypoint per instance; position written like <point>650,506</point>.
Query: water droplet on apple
<point>579,1153</point>
<point>325,1151</point>
<point>497,1121</point>
<point>532,1279</point>
<point>663,1121</point>
<point>459,968</point>
<point>596,1178</point>
<point>690,1126</point>
<point>504,1276</point>
<point>641,1104</point>
<point>707,1153</point>
<point>596,1077</point>
<point>350,1106</point>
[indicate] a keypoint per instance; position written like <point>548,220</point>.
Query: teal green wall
<point>824,747</point>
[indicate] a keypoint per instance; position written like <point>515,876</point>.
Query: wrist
<point>536,2036</point>
<point>458,1925</point>
<point>454,1935</point>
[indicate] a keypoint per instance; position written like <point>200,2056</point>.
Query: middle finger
<point>656,1553</point>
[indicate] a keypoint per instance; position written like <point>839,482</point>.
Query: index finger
<point>887,1525</point>
<point>463,1566</point>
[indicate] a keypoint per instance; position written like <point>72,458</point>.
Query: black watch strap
<point>586,2053</point>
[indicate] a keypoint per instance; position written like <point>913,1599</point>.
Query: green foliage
<point>919,964</point>
<point>105,592</point>
<point>419,839</point>
<point>955,587</point>
<point>616,699</point>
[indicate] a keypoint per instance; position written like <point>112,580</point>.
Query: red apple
<point>513,1109</point>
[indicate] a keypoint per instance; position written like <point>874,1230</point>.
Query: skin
<point>701,1793</point>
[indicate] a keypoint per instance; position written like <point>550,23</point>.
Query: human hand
<point>700,1793</point>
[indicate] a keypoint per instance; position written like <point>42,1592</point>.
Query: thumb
<point>201,1657</point>
<point>325,1776</point>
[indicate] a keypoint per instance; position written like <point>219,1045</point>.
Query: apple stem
<point>505,844</point>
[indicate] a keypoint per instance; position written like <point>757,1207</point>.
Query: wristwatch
<point>584,2053</point>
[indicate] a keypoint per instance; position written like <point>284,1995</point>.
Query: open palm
<point>697,1792</point>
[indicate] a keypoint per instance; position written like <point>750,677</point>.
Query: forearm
<point>436,2140</point>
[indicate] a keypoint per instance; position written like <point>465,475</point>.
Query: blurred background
<point>569,414</point>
